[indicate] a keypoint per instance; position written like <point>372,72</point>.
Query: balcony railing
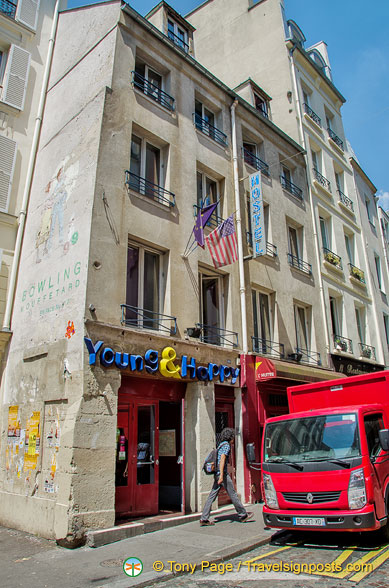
<point>335,138</point>
<point>217,336</point>
<point>266,347</point>
<point>255,162</point>
<point>152,91</point>
<point>133,316</point>
<point>299,264</point>
<point>312,114</point>
<point>357,273</point>
<point>346,201</point>
<point>322,180</point>
<point>8,8</point>
<point>308,356</point>
<point>207,129</point>
<point>332,258</point>
<point>214,220</point>
<point>178,41</point>
<point>343,344</point>
<point>143,186</point>
<point>292,188</point>
<point>367,351</point>
<point>271,249</point>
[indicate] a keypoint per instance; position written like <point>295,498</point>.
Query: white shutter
<point>7,163</point>
<point>16,77</point>
<point>27,13</point>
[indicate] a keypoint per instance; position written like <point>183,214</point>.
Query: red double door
<point>149,457</point>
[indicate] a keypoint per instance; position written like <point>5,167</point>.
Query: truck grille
<point>316,497</point>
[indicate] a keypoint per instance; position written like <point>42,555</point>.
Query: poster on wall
<point>13,422</point>
<point>167,443</point>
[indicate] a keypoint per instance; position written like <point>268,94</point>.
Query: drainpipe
<point>30,171</point>
<point>242,287</point>
<point>315,233</point>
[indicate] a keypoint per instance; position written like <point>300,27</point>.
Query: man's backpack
<point>209,465</point>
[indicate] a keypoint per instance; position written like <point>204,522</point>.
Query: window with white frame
<point>316,160</point>
<point>349,242</point>
<point>262,321</point>
<point>361,323</point>
<point>325,232</point>
<point>368,209</point>
<point>178,34</point>
<point>295,236</point>
<point>334,314</point>
<point>339,181</point>
<point>205,121</point>
<point>146,175</point>
<point>302,327</point>
<point>152,83</point>
<point>386,325</point>
<point>211,306</point>
<point>261,104</point>
<point>377,263</point>
<point>208,191</point>
<point>14,72</point>
<point>144,286</point>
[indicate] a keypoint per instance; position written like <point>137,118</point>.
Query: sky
<point>356,33</point>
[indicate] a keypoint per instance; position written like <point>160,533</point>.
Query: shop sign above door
<point>166,363</point>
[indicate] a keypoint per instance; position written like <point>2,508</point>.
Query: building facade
<point>26,36</point>
<point>128,345</point>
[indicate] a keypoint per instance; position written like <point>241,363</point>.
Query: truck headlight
<point>270,492</point>
<point>357,490</point>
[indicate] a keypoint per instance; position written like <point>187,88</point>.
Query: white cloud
<point>383,200</point>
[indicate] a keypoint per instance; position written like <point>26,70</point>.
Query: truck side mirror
<point>250,452</point>
<point>384,439</point>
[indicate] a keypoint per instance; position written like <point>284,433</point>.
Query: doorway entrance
<point>149,455</point>
<point>225,417</point>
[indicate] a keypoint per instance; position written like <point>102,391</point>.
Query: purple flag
<point>201,221</point>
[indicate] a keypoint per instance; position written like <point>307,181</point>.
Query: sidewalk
<point>29,562</point>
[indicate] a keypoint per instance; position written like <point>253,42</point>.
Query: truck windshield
<point>313,438</point>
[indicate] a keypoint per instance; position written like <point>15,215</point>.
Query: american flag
<point>222,243</point>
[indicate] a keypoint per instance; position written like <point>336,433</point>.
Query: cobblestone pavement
<point>298,561</point>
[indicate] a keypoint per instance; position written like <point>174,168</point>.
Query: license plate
<point>309,521</point>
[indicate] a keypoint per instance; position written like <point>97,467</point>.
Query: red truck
<point>325,465</point>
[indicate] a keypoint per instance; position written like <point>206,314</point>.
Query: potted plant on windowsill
<point>358,274</point>
<point>332,258</point>
<point>366,353</point>
<point>340,344</point>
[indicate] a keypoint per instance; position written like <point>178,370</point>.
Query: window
<point>262,321</point>
<point>302,336</point>
<point>261,105</point>
<point>330,122</point>
<point>143,286</point>
<point>336,330</point>
<point>368,209</point>
<point>324,226</point>
<point>177,34</point>
<point>286,174</point>
<point>349,242</point>
<point>145,166</point>
<point>207,191</point>
<point>386,325</point>
<point>316,160</point>
<point>377,262</point>
<point>294,242</point>
<point>339,180</point>
<point>14,78</point>
<point>373,424</point>
<point>306,98</point>
<point>151,83</point>
<point>360,319</point>
<point>211,307</point>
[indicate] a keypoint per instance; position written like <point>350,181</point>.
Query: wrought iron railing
<point>335,138</point>
<point>143,186</point>
<point>134,316</point>
<point>178,41</point>
<point>217,336</point>
<point>207,129</point>
<point>322,180</point>
<point>152,91</point>
<point>292,188</point>
<point>312,114</point>
<point>332,258</point>
<point>8,8</point>
<point>357,273</point>
<point>308,356</point>
<point>367,351</point>
<point>346,201</point>
<point>255,162</point>
<point>343,344</point>
<point>267,347</point>
<point>214,220</point>
<point>271,249</point>
<point>299,264</point>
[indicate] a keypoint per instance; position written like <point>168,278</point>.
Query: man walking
<point>222,478</point>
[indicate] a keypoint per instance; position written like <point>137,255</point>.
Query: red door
<point>137,459</point>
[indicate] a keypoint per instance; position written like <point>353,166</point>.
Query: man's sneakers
<point>247,517</point>
<point>206,523</point>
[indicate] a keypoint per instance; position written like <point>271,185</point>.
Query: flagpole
<point>242,287</point>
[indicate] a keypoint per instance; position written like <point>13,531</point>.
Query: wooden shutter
<point>7,163</point>
<point>27,13</point>
<point>16,77</point>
